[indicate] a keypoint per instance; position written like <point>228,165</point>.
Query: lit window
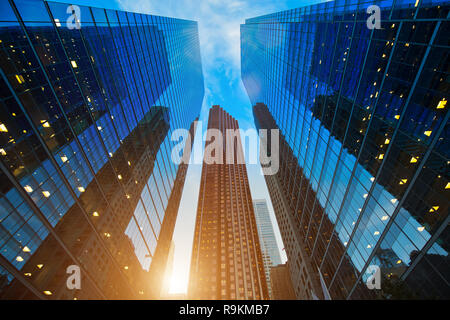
<point>428,133</point>
<point>64,158</point>
<point>47,292</point>
<point>40,266</point>
<point>441,104</point>
<point>434,209</point>
<point>403,181</point>
<point>26,249</point>
<point>119,176</point>
<point>95,214</point>
<point>2,152</point>
<point>74,64</point>
<point>58,24</point>
<point>399,261</point>
<point>19,259</point>
<point>413,160</point>
<point>81,189</point>
<point>381,156</point>
<point>46,194</point>
<point>447,186</point>
<point>421,229</point>
<point>126,267</point>
<point>19,79</point>
<point>3,128</point>
<point>397,116</point>
<point>394,201</point>
<point>27,274</point>
<point>384,218</point>
<point>376,233</point>
<point>387,141</point>
<point>28,189</point>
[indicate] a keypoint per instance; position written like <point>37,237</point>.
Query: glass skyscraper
<point>269,247</point>
<point>364,156</point>
<point>86,175</point>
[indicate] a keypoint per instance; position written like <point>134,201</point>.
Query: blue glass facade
<point>364,149</point>
<point>85,149</point>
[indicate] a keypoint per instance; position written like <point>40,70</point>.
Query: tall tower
<point>87,181</point>
<point>226,256</point>
<point>269,247</point>
<point>363,116</point>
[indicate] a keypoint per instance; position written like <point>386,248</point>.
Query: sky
<point>219,31</point>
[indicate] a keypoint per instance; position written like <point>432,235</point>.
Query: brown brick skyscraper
<point>226,256</point>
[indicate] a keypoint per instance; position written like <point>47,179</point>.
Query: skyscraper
<point>226,258</point>
<point>87,181</point>
<point>363,115</point>
<point>269,247</point>
<point>281,283</point>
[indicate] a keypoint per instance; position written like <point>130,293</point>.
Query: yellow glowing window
<point>19,259</point>
<point>369,246</point>
<point>413,160</point>
<point>57,23</point>
<point>74,64</point>
<point>399,261</point>
<point>129,163</point>
<point>417,3</point>
<point>27,274</point>
<point>40,266</point>
<point>365,196</point>
<point>403,181</point>
<point>95,214</point>
<point>26,249</point>
<point>64,158</point>
<point>407,44</point>
<point>47,292</point>
<point>447,185</point>
<point>394,201</point>
<point>397,116</point>
<point>28,189</point>
<point>441,104</point>
<point>119,176</point>
<point>128,196</point>
<point>46,194</point>
<point>88,99</point>
<point>372,179</point>
<point>19,78</point>
<point>381,156</point>
<point>2,152</point>
<point>384,218</point>
<point>387,141</point>
<point>421,229</point>
<point>376,233</point>
<point>81,189</point>
<point>126,267</point>
<point>434,209</point>
<point>3,128</point>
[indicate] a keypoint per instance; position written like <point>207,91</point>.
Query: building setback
<point>87,177</point>
<point>226,258</point>
<point>363,119</point>
<point>281,283</point>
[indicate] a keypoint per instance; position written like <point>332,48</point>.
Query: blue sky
<point>219,32</point>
